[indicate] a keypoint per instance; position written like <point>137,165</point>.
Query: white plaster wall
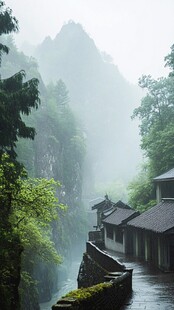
<point>114,246</point>
<point>110,244</point>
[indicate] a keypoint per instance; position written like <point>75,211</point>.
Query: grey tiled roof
<point>159,218</point>
<point>165,176</point>
<point>105,204</point>
<point>108,211</point>
<point>120,216</point>
<point>121,204</point>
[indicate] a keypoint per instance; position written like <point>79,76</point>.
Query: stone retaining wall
<point>111,297</point>
<point>102,258</point>
<point>90,273</point>
<point>103,283</point>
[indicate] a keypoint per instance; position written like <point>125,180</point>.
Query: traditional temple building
<point>150,235</point>
<point>114,225</point>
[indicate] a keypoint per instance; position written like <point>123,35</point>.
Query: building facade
<point>114,225</point>
<point>148,236</point>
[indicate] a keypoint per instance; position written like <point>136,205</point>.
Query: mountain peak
<point>71,27</point>
<point>100,96</point>
<point>71,32</point>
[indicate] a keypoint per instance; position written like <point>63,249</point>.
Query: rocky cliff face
<point>101,98</point>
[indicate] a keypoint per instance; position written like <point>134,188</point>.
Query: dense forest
<point>66,136</point>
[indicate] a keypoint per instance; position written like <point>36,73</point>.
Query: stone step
<point>115,273</point>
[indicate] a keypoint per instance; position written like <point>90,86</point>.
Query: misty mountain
<point>100,96</point>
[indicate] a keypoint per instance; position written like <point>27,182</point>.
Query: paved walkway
<point>152,289</point>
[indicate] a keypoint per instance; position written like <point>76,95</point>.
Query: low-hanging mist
<point>101,98</point>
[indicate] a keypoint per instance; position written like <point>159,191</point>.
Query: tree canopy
<point>27,207</point>
<point>156,114</point>
<point>16,98</point>
<point>8,24</point>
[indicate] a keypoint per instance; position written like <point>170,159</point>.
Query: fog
<point>137,34</point>
<point>89,56</point>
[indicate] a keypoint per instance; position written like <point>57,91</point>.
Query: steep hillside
<point>100,96</point>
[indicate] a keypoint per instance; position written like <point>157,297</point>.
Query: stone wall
<point>103,283</point>
<point>96,235</point>
<point>90,273</point>
<point>110,297</point>
<point>102,258</point>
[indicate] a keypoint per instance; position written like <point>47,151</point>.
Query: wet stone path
<point>152,289</point>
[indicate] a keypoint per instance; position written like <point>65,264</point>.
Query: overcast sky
<point>137,34</point>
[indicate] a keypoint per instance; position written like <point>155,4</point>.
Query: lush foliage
<point>16,98</point>
<point>141,190</point>
<point>156,115</point>
<point>34,206</point>
<point>57,152</point>
<point>27,207</point>
<point>35,228</point>
<point>89,292</point>
<point>8,23</point>
<point>31,205</point>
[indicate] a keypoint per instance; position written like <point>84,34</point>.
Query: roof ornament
<point>106,197</point>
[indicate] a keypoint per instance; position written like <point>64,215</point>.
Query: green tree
<point>169,59</point>
<point>17,61</point>
<point>157,107</point>
<point>156,114</point>
<point>29,205</point>
<point>10,247</point>
<point>16,98</point>
<point>59,92</point>
<point>34,209</point>
<point>141,190</point>
<point>57,151</point>
<point>8,24</point>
